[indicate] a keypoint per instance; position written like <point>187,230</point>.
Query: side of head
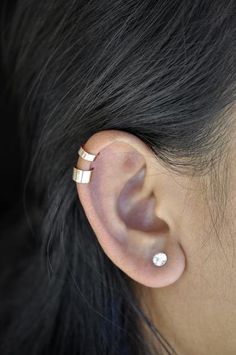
<point>150,88</point>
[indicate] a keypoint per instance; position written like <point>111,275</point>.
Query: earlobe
<point>120,205</point>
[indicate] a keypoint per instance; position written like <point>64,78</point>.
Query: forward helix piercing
<point>84,177</point>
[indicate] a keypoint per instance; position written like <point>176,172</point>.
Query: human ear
<point>121,205</point>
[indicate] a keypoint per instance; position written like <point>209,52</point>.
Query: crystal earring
<point>159,259</point>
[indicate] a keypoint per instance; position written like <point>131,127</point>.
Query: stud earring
<point>159,259</point>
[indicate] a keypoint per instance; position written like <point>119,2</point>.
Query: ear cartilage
<point>159,259</point>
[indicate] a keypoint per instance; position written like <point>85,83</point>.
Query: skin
<point>138,207</point>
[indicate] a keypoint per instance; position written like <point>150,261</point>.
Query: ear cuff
<point>83,176</point>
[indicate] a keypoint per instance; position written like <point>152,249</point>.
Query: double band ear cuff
<point>83,176</point>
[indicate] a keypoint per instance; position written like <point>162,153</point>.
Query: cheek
<point>195,228</point>
<point>208,238</point>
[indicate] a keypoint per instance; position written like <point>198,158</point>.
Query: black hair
<point>162,70</point>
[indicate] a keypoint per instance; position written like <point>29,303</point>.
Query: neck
<point>188,324</point>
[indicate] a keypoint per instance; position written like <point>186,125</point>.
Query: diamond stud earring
<point>159,259</point>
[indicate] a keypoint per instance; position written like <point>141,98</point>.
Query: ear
<point>121,203</point>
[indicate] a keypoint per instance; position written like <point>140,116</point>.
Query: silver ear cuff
<point>85,155</point>
<point>83,176</point>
